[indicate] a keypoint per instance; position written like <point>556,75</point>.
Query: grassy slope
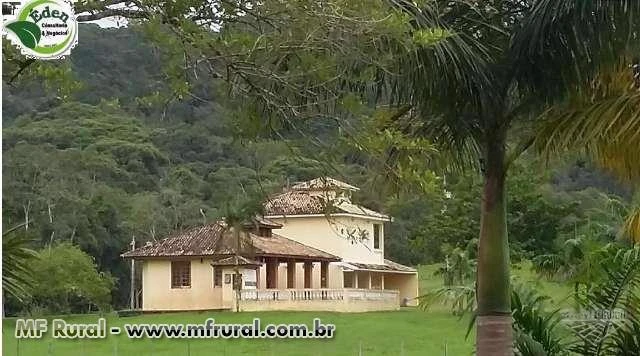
<point>408,332</point>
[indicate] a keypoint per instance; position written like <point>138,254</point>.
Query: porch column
<point>382,281</point>
<point>258,283</point>
<point>324,274</point>
<point>272,273</point>
<point>355,279</point>
<point>308,270</point>
<point>261,274</point>
<point>291,274</point>
<point>369,280</point>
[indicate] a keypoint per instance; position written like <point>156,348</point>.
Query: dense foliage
<point>106,158</point>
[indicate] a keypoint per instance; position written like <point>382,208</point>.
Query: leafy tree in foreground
<point>66,281</point>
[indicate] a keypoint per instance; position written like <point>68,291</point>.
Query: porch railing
<point>319,294</point>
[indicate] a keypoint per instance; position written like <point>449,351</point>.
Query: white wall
<point>157,293</point>
<point>331,235</point>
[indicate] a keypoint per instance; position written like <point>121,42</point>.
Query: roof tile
<point>304,203</point>
<point>215,240</point>
<point>324,183</point>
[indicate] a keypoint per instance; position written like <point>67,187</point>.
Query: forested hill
<point>112,159</point>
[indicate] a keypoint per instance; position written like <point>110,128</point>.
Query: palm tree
<point>478,91</point>
<point>477,94</point>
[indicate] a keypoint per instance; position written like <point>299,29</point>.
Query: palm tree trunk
<point>494,334</point>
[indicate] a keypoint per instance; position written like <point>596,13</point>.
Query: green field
<point>406,332</point>
<point>559,293</point>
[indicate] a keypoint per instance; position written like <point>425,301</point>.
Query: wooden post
<point>324,274</point>
<point>258,284</point>
<point>132,292</point>
<point>369,282</point>
<point>272,273</point>
<point>291,274</point>
<point>308,273</point>
<point>276,274</point>
<point>269,273</point>
<point>355,279</point>
<point>382,281</point>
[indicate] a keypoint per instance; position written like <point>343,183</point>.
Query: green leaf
<point>27,32</point>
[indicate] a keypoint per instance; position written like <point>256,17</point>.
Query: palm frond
<point>603,121</point>
<point>535,328</point>
<point>461,299</point>
<point>631,227</point>
<point>563,42</point>
<point>625,340</point>
<point>617,296</point>
<point>452,71</point>
<point>16,270</point>
<point>450,83</point>
<point>548,265</point>
<point>525,345</point>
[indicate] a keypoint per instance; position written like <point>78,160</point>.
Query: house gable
<point>320,213</point>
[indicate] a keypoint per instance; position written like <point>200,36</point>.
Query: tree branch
<point>519,150</point>
<point>130,14</point>
<point>24,66</point>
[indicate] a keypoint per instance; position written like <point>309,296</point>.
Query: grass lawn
<point>559,293</point>
<point>406,332</point>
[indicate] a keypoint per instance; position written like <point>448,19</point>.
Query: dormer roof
<point>324,184</point>
<point>304,199</point>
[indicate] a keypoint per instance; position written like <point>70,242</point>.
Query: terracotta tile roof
<point>209,240</point>
<point>303,203</point>
<point>388,266</point>
<point>280,245</point>
<point>398,267</point>
<point>296,203</point>
<point>198,241</point>
<point>324,183</point>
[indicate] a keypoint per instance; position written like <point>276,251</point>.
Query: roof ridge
<point>324,183</point>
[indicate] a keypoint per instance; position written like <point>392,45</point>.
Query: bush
<point>67,281</point>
